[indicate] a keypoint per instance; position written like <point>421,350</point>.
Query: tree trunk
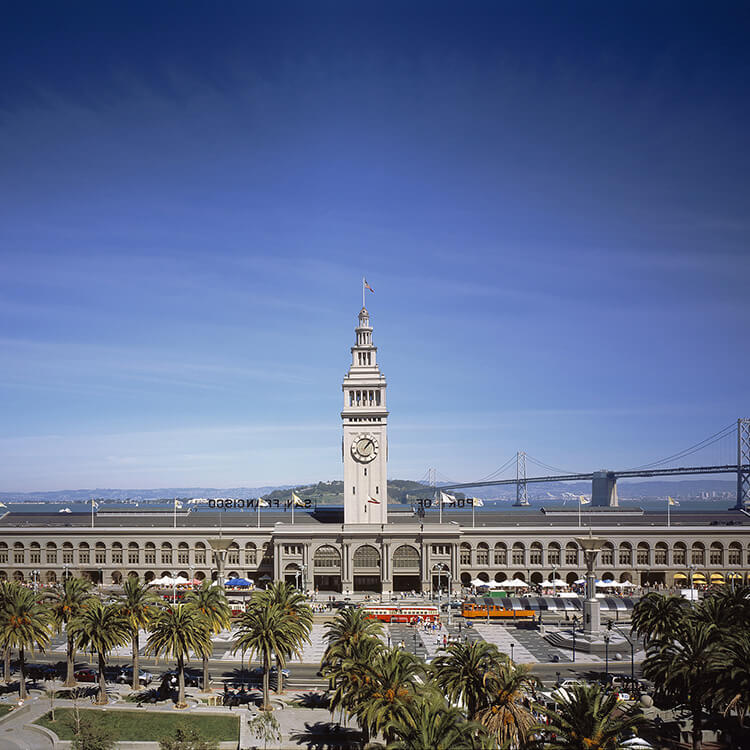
<point>181,683</point>
<point>266,686</point>
<point>70,679</point>
<point>135,683</point>
<point>6,665</point>
<point>279,677</point>
<point>205,673</point>
<point>102,682</point>
<point>22,675</point>
<point>697,728</point>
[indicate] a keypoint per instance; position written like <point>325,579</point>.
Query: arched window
<point>553,554</point>
<point>19,553</point>
<point>679,554</point>
<point>183,554</point>
<point>642,553</point>
<point>571,553</point>
<point>134,553</point>
<point>67,554</point>
<point>698,554</point>
<point>51,577</point>
<point>607,555</point>
<point>116,553</point>
<point>625,555</point>
<point>734,556</point>
<point>518,554</point>
<point>716,553</point>
<point>327,558</point>
<point>233,554</point>
<point>406,557</point>
<point>3,552</point>
<point>465,554</point>
<point>35,553</point>
<point>251,554</point>
<point>84,554</point>
<point>501,554</point>
<point>200,553</point>
<point>366,557</point>
<point>483,554</point>
<point>150,553</point>
<point>100,553</point>
<point>535,554</point>
<point>166,553</point>
<point>660,553</point>
<point>50,553</point>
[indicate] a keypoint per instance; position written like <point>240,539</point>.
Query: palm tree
<point>262,632</point>
<point>733,667</point>
<point>684,668</point>
<point>210,602</point>
<point>588,719</point>
<point>656,616</point>
<point>349,677</point>
<point>346,631</point>
<point>139,604</point>
<point>6,593</point>
<point>391,685</point>
<point>462,670</point>
<point>24,623</point>
<point>175,631</point>
<point>509,717</point>
<point>100,628</point>
<point>429,724</point>
<point>67,602</point>
<point>297,616</point>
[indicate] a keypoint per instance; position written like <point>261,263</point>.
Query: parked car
<point>274,670</point>
<point>86,675</point>
<point>125,677</point>
<point>193,677</point>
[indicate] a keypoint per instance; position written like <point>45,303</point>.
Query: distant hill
<point>399,491</point>
<point>332,493</point>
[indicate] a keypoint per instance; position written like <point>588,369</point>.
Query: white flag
<point>65,510</point>
<point>3,505</point>
<point>672,501</point>
<point>583,500</point>
<point>447,499</point>
<point>94,504</point>
<point>296,500</point>
<point>177,504</point>
<point>263,503</point>
<point>477,502</point>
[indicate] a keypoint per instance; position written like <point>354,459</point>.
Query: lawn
<point>4,710</point>
<point>145,726</point>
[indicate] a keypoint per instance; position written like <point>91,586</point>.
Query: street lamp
<point>35,579</point>
<point>511,651</point>
<point>415,641</point>
<point>219,547</point>
<point>610,624</point>
<point>606,658</point>
<point>441,568</point>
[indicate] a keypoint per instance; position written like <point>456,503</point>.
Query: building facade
<point>373,550</point>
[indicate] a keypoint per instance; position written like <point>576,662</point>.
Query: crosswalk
<point>502,638</point>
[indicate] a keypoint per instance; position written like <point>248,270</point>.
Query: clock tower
<point>365,441</point>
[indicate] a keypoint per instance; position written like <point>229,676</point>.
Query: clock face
<point>364,448</point>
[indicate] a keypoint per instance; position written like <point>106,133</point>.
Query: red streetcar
<point>408,613</point>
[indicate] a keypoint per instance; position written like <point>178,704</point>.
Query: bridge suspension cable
<point>556,469</point>
<point>503,468</point>
<point>715,438</point>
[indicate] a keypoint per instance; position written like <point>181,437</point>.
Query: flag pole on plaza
<point>475,503</point>
<point>177,504</point>
<point>93,505</point>
<point>295,501</point>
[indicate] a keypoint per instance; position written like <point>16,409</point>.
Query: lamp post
<point>690,572</point>
<point>219,547</point>
<point>415,641</point>
<point>511,650</point>
<point>610,624</point>
<point>440,569</point>
<point>606,658</point>
<point>574,639</point>
<point>591,608</point>
<point>35,580</point>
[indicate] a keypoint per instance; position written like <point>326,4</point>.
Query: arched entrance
<point>117,578</point>
<point>571,578</point>
<point>327,569</point>
<point>406,569</point>
<point>536,577</point>
<point>366,569</point>
<point>293,575</point>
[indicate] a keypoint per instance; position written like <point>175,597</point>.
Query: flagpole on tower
<point>363,291</point>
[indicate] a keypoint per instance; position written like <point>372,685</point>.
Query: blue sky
<point>551,205</point>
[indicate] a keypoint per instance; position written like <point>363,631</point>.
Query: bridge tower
<point>743,464</point>
<point>522,492</point>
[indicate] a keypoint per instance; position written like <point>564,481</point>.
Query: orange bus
<point>410,613</point>
<point>475,610</point>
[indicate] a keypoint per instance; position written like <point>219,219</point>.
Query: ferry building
<point>372,547</point>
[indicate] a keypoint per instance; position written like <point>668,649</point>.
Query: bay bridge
<point>604,481</point>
